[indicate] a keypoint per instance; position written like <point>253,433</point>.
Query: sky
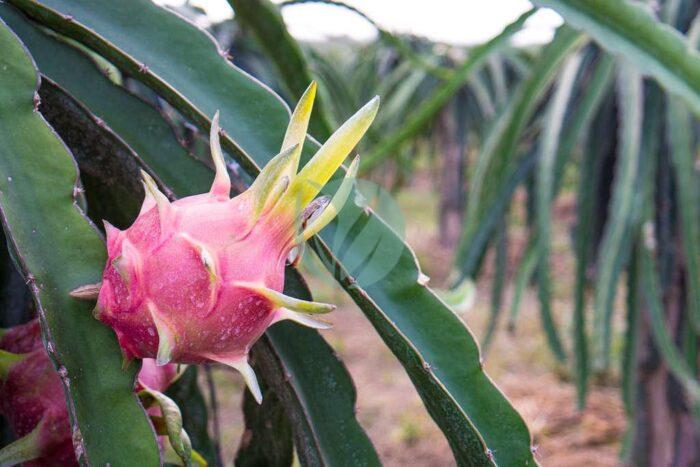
<point>459,22</point>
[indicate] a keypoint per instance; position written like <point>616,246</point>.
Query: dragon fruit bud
<point>200,279</point>
<point>33,402</point>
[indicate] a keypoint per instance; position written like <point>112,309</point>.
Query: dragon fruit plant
<point>200,279</point>
<point>33,402</point>
<point>191,275</point>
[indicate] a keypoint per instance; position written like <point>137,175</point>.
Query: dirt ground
<point>519,363</point>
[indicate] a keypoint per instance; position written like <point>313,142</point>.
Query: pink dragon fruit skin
<point>200,279</point>
<point>155,377</point>
<point>31,393</point>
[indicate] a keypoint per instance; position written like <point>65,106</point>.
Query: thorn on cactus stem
<point>87,291</point>
<point>36,100</point>
<point>143,68</point>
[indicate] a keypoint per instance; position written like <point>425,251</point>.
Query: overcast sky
<point>450,21</point>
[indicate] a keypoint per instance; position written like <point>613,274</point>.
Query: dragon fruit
<point>33,402</point>
<point>200,279</point>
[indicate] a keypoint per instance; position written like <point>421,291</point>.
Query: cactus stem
<point>280,300</point>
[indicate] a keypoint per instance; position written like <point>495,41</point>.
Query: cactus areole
<point>200,279</point>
